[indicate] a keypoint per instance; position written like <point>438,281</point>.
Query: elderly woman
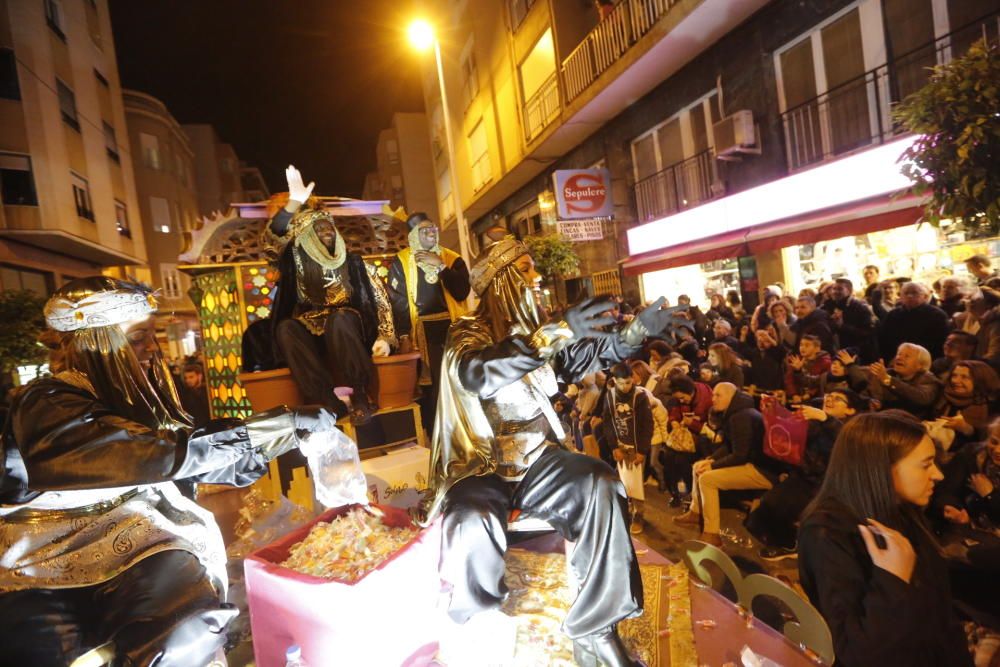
<point>964,404</point>
<point>906,384</point>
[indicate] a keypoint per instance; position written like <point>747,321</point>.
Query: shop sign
<point>583,193</point>
<point>581,230</point>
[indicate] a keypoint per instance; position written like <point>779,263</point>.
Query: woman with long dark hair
<point>866,558</point>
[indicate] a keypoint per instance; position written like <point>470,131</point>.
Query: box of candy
<point>354,587</point>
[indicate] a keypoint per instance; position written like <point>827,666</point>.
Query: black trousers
<point>583,499</point>
<point>435,332</point>
<point>313,360</point>
<point>773,522</point>
<point>163,610</point>
<point>677,468</point>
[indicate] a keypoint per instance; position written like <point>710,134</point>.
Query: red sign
<point>583,193</point>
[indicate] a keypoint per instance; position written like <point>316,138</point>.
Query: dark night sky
<point>307,82</point>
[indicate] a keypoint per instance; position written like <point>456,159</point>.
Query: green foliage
<point>554,256</point>
<point>954,162</point>
<point>21,320</point>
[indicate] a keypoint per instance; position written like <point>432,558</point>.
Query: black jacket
<point>816,323</point>
<point>767,368</point>
<point>742,432</point>
<point>875,617</point>
<point>857,328</point>
<point>925,325</point>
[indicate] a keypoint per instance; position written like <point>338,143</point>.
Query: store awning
<point>873,215</point>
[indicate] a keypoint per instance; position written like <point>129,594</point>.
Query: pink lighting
<point>868,174</point>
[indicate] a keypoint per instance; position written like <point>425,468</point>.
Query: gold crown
<point>495,257</point>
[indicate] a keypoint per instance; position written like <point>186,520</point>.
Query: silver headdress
<point>493,258</point>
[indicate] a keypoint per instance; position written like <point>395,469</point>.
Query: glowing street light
<point>421,35</point>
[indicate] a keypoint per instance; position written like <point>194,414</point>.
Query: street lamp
<point>421,35</point>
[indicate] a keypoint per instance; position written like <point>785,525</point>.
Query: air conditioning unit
<point>735,134</point>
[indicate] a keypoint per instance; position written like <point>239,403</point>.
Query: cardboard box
<point>398,478</point>
<point>385,618</point>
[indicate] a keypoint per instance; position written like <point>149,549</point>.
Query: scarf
<point>308,241</point>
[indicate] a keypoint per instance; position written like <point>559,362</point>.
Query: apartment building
<point>69,203</point>
<point>687,104</point>
<point>404,169</point>
<point>168,200</point>
<point>217,172</point>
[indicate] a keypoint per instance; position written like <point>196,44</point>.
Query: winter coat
<point>918,395</point>
<point>806,381</point>
<point>700,405</point>
<point>924,325</point>
<point>816,323</point>
<point>767,368</point>
<point>857,328</point>
<point>875,617</point>
<point>742,431</point>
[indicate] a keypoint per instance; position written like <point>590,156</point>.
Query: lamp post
<point>422,37</point>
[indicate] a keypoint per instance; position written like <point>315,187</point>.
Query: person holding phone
<point>868,561</point>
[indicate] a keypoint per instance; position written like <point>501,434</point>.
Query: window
<point>445,201</point>
<point>15,278</point>
<point>81,197</point>
<point>539,86</point>
<point>17,187</point>
<point>111,142</point>
<point>159,209</point>
<point>67,105</point>
<point>54,17</point>
<point>9,88</point>
<point>518,10</point>
<point>479,156</point>
<point>437,133</point>
<point>673,163</point>
<point>150,150</point>
<point>121,219</point>
<point>171,279</point>
<point>470,75</point>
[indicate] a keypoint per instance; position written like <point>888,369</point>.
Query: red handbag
<point>785,432</point>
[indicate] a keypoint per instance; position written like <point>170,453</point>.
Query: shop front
<point>800,231</point>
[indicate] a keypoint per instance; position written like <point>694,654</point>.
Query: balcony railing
<point>678,187</point>
<point>623,27</point>
<point>855,114</point>
<point>541,108</point>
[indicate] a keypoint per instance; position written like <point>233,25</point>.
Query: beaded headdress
<point>492,259</point>
<point>104,301</point>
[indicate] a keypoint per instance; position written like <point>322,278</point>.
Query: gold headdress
<point>103,302</point>
<point>492,259</point>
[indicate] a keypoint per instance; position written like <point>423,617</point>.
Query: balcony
<point>856,114</point>
<point>541,108</point>
<point>680,186</point>
<point>623,27</point>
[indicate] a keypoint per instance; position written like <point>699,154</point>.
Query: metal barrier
<point>679,186</point>
<point>541,108</point>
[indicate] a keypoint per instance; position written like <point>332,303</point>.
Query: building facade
<point>69,203</point>
<point>168,201</point>
<point>688,104</point>
<point>404,170</point>
<point>217,170</point>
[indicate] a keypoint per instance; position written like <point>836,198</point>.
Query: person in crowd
<point>982,319</point>
<point>908,385</point>
<point>838,376</point>
<point>194,393</point>
<point>803,371</point>
<point>739,463</point>
<point>658,352</point>
<point>782,316</point>
<point>698,318</point>
<point>955,290</point>
<point>628,423</point>
<point>100,545</point>
<point>774,521</point>
<point>708,374</point>
<point>958,346</point>
<point>868,561</point>
<point>727,364</point>
<point>809,292</point>
<point>719,308</point>
<point>871,275</point>
<point>722,332</point>
<point>767,362</point>
<point>982,270</point>
<point>813,321</point>
<point>885,298</point>
<point>655,387</point>
<point>852,320</point>
<point>428,285</point>
<point>585,407</point>
<point>964,405</point>
<point>761,317</point>
<point>735,305</point>
<point>914,321</point>
<point>688,409</point>
<point>490,452</point>
<point>332,313</point>
<point>967,507</point>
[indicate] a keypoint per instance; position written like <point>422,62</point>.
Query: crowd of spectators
<point>904,372</point>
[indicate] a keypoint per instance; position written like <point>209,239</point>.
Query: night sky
<point>307,82</point>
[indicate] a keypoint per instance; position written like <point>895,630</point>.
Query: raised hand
<point>588,318</point>
<point>846,358</point>
<point>955,515</point>
<point>297,192</point>
<point>898,556</point>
